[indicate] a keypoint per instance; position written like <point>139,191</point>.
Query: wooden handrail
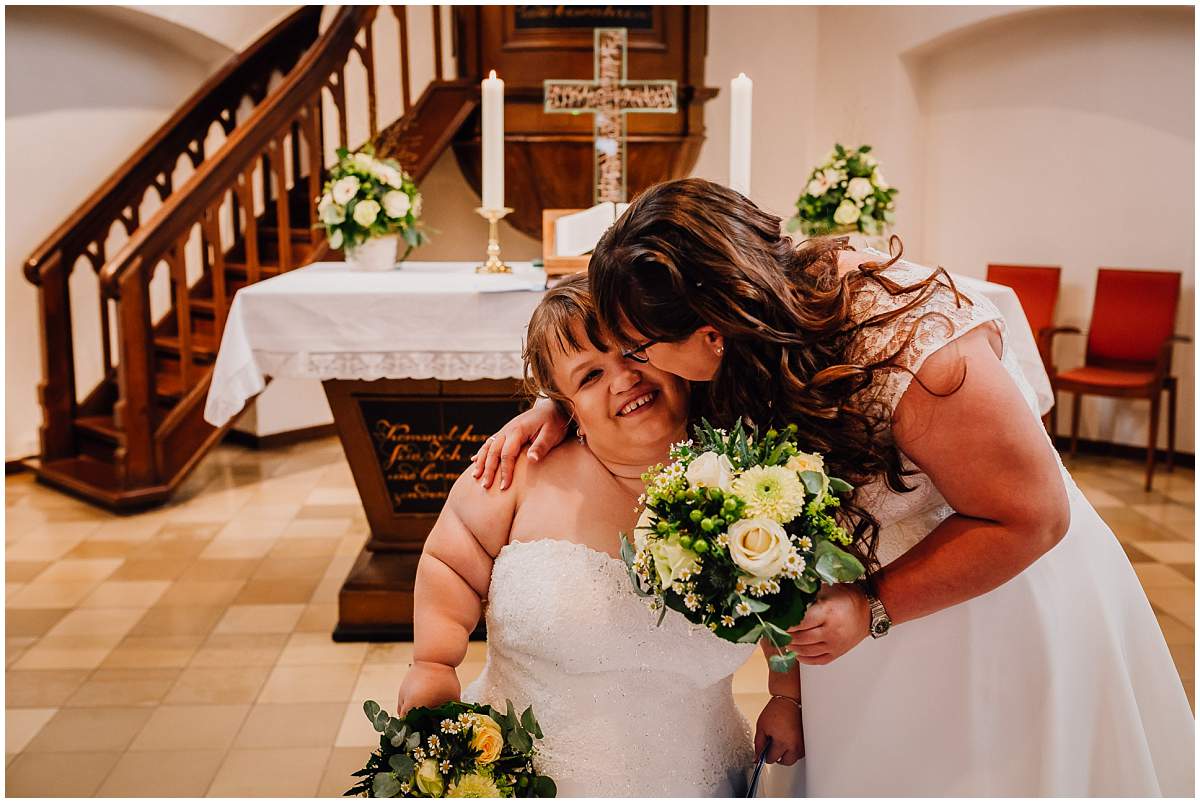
<point>247,143</point>
<point>157,157</point>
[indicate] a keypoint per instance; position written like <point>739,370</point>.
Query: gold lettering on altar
<point>426,463</point>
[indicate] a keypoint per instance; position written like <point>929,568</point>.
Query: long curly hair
<point>690,253</point>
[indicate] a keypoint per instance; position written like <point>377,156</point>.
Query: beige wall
<point>1013,133</point>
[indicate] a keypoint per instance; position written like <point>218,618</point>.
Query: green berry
<point>700,546</point>
<point>685,541</point>
<point>707,525</point>
<point>719,524</point>
<point>696,515</point>
<point>772,434</point>
<point>792,429</point>
<point>662,528</point>
<point>714,494</point>
<point>730,505</point>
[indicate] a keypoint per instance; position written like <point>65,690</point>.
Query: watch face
<point>881,627</point>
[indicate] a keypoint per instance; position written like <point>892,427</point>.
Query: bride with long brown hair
<point>1025,658</point>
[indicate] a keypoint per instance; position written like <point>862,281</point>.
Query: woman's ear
<point>713,339</point>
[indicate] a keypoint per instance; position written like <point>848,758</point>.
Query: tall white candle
<point>492,140</point>
<point>741,90</point>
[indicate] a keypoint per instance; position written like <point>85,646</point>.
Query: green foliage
<point>391,770</point>
<point>375,179</point>
<point>827,187</point>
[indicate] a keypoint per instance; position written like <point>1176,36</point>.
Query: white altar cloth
<point>427,320</point>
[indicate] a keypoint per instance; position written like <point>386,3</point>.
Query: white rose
<point>760,546</point>
<point>710,470</point>
<point>390,176</point>
<point>803,461</point>
<point>816,188</point>
<point>879,180</point>
<point>396,204</point>
<point>344,189</point>
<point>416,205</point>
<point>330,212</point>
<point>366,212</point>
<point>671,560</point>
<point>847,213</point>
<point>859,188</point>
<point>641,530</point>
<point>831,176</point>
<point>335,239</point>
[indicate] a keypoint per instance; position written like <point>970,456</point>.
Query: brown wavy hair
<point>690,253</point>
<point>551,329</point>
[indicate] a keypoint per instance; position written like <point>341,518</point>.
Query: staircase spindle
<point>177,262</point>
<point>401,13</point>
<point>437,42</point>
<point>212,228</point>
<point>135,378</point>
<point>283,229</point>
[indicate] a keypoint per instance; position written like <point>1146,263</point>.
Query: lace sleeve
<point>940,319</point>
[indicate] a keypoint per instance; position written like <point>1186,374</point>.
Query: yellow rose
<point>806,462</point>
<point>487,739</point>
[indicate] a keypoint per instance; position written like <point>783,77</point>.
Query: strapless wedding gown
<point>628,709</point>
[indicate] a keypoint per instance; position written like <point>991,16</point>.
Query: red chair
<point>1037,290</point>
<point>1129,349</point>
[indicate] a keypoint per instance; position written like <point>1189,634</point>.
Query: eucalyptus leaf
<point>385,785</point>
<point>752,635</point>
<point>544,786</point>
<point>777,635</point>
<point>835,565</point>
<point>840,486</point>
<point>399,737</point>
<point>756,605</point>
<point>782,662</point>
<point>807,583</point>
<point>530,723</point>
<point>519,740</point>
<point>371,709</point>
<point>402,765</point>
<point>413,741</point>
<point>814,481</point>
<point>381,721</point>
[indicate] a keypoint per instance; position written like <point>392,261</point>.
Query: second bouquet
<point>738,534</point>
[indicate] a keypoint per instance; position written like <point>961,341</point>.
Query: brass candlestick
<point>494,263</point>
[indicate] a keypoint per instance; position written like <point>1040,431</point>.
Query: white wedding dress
<point>627,708</point>
<point>1058,683</point>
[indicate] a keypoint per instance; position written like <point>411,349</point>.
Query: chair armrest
<point>1163,368</point>
<point>1045,344</point>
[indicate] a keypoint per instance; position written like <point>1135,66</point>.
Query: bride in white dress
<point>627,708</point>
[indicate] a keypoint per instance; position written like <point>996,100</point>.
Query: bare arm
<point>453,576</point>
<point>987,455</point>
<point>542,424</point>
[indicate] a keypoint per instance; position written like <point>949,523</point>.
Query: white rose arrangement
<point>367,197</point>
<point>737,534</point>
<point>847,193</point>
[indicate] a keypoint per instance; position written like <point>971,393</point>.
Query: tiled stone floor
<point>186,651</point>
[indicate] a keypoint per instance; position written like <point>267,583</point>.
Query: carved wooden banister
<point>151,167</point>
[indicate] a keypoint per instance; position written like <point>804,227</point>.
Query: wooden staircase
<point>243,215</point>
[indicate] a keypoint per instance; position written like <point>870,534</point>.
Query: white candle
<point>492,140</point>
<point>741,90</point>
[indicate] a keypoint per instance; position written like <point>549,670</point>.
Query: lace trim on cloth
<point>951,318</point>
<point>369,365</point>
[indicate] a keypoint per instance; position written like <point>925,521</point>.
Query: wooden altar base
<point>406,442</point>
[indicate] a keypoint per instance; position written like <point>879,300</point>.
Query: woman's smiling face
<point>622,406</point>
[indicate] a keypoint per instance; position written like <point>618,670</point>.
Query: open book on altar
<point>569,235</point>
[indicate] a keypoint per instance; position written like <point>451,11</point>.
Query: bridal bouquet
<point>738,535</point>
<point>455,750</point>
<point>845,194</point>
<point>368,199</point>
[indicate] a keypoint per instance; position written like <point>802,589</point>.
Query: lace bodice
<point>907,518</point>
<point>628,708</point>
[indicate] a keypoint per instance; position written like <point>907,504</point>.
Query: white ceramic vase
<point>375,254</point>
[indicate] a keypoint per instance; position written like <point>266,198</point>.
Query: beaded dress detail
<point>628,708</point>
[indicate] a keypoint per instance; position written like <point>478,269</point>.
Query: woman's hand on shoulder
<point>542,424</point>
<point>781,722</point>
<point>427,684</point>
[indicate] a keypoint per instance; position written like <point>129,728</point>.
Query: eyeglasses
<point>638,353</point>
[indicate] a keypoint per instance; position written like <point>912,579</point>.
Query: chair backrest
<point>1036,288</point>
<point>1133,315</point>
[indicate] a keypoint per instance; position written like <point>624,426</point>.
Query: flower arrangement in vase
<point>847,194</point>
<point>368,206</point>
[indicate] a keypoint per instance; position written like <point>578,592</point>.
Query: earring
<point>582,438</point>
<point>720,350</point>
